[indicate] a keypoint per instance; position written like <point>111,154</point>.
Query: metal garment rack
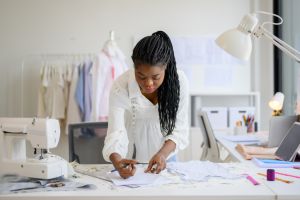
<point>49,57</point>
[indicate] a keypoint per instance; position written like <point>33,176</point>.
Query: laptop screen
<point>279,127</point>
<point>86,141</point>
<point>289,146</point>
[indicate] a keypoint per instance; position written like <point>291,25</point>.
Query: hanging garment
<point>83,93</point>
<point>79,92</point>
<point>44,82</point>
<point>88,89</point>
<point>73,113</point>
<point>68,73</point>
<point>58,82</point>
<point>133,119</point>
<point>51,95</point>
<point>110,64</point>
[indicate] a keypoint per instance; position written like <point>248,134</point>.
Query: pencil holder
<point>250,128</point>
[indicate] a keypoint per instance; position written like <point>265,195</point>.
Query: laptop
<point>290,145</point>
<point>279,127</point>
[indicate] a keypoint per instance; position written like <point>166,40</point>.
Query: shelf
<point>224,94</point>
<point>225,99</point>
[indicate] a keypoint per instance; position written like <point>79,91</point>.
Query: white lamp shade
<point>276,102</point>
<point>236,43</point>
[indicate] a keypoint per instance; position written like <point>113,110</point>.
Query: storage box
<point>237,113</point>
<point>217,116</point>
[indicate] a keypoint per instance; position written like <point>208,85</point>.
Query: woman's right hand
<point>126,167</point>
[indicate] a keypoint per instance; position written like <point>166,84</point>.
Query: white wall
<point>262,64</point>
<point>68,26</point>
<point>73,26</point>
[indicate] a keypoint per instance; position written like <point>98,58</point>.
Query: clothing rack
<point>57,56</point>
<point>37,60</point>
<point>44,57</point>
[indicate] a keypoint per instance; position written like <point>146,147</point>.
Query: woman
<point>148,112</point>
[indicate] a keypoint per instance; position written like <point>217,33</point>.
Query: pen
<point>290,175</point>
<point>252,180</point>
<point>278,179</point>
<point>245,120</point>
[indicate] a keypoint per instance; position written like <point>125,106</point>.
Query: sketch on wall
<point>208,67</point>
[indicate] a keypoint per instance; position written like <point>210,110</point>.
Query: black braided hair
<point>154,50</point>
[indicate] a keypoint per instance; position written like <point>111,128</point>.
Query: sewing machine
<point>43,134</point>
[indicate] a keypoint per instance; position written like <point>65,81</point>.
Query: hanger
<point>111,35</point>
<point>111,43</point>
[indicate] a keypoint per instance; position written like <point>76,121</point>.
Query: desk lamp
<point>276,103</point>
<point>237,41</point>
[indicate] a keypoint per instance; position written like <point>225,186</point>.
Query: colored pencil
<point>278,179</point>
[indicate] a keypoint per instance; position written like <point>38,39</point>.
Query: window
<point>287,70</point>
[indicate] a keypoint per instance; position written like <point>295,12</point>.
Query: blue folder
<point>269,163</point>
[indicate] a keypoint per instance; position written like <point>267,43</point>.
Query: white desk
<point>214,189</point>
<point>229,146</point>
<point>282,190</point>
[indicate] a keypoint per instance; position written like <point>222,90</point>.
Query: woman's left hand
<point>157,163</point>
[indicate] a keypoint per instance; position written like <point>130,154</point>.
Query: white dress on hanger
<point>109,64</point>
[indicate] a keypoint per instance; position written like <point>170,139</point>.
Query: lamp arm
<point>281,42</point>
<point>286,48</point>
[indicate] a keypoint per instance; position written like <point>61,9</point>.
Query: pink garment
<point>109,65</point>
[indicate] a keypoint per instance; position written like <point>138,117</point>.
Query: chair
<point>210,147</point>
<point>86,141</point>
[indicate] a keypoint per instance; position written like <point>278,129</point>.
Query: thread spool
<point>270,174</point>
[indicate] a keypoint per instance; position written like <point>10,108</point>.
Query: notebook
<point>272,163</point>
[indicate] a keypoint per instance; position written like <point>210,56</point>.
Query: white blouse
<point>133,119</point>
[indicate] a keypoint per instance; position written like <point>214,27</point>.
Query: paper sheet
<point>139,179</point>
<point>98,171</point>
<point>200,170</point>
<point>241,138</point>
<point>201,50</point>
<point>218,76</point>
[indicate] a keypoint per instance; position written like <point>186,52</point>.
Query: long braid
<point>153,50</point>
